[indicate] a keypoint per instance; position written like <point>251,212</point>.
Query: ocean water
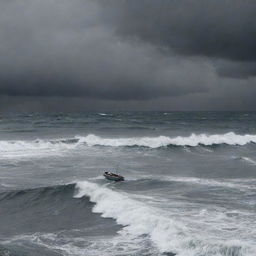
<point>189,189</point>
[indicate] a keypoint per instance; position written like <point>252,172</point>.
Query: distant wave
<point>41,192</point>
<point>167,233</point>
<point>152,181</point>
<point>128,128</point>
<point>245,159</point>
<point>163,141</point>
<point>104,114</point>
<point>249,160</point>
<point>240,184</point>
<point>10,148</point>
<point>35,148</point>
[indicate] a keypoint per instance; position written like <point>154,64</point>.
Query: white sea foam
<point>249,160</point>
<point>163,141</point>
<point>245,159</point>
<point>6,185</point>
<point>168,233</point>
<point>18,148</point>
<point>240,184</point>
<point>15,148</point>
<point>77,246</point>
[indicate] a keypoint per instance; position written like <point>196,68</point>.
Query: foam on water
<point>103,114</point>
<point>249,160</point>
<point>163,141</point>
<point>19,148</point>
<point>81,245</point>
<point>240,184</point>
<point>186,236</point>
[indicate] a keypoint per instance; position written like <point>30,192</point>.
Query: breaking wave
<point>168,234</point>
<point>140,220</point>
<point>104,114</point>
<point>249,160</point>
<point>35,148</point>
<point>163,141</point>
<point>58,145</point>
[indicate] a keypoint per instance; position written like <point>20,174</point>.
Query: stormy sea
<point>189,189</point>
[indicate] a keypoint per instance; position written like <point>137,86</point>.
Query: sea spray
<point>151,142</point>
<point>169,235</point>
<point>41,148</point>
<point>162,141</point>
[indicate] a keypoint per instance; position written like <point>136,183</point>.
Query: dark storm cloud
<point>217,28</point>
<point>235,69</point>
<point>133,51</point>
<point>64,48</point>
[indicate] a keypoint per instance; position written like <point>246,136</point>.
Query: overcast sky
<point>76,55</point>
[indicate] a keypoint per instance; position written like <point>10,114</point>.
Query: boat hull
<point>113,178</point>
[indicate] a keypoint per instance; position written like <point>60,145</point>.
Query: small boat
<point>113,176</point>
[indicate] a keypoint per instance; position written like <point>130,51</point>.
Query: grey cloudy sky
<point>127,54</point>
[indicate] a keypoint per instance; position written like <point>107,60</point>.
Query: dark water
<point>190,185</point>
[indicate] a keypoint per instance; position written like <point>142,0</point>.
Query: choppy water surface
<point>190,185</point>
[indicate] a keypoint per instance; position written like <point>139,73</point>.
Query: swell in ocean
<point>168,234</point>
<point>79,206</point>
<point>193,140</point>
<point>44,209</point>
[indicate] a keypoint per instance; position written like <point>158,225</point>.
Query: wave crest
<point>168,234</point>
<point>45,147</point>
<point>163,141</point>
